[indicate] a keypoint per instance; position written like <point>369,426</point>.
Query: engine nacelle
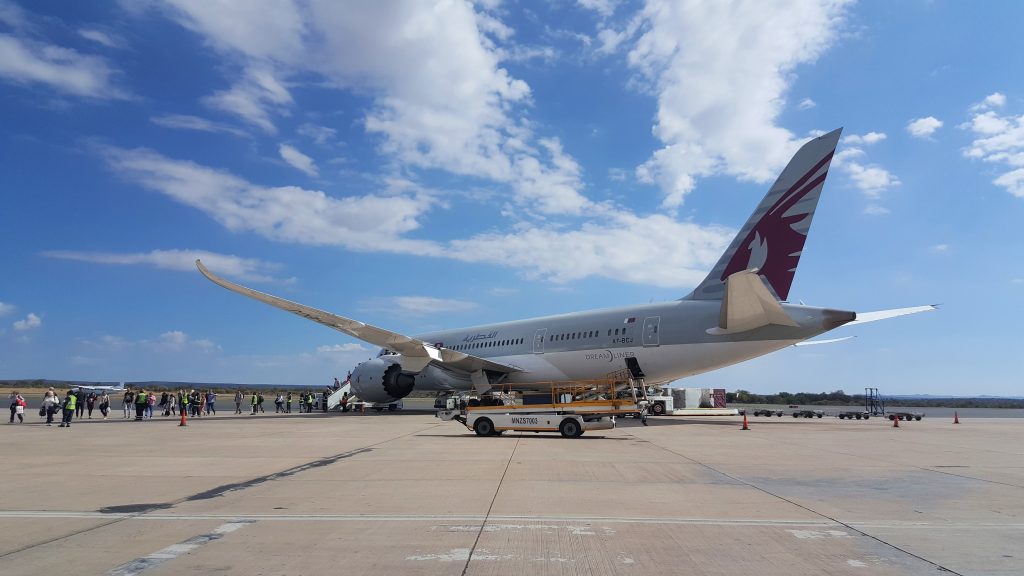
<point>381,380</point>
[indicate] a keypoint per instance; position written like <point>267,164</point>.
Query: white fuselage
<point>668,340</point>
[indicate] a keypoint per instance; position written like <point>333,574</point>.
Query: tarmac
<point>405,493</point>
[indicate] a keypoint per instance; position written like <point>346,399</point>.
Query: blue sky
<point>420,166</point>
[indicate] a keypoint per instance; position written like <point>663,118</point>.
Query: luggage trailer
<point>569,408</point>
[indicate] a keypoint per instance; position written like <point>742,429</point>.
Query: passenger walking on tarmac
<point>238,401</point>
<point>327,394</point>
<point>90,403</point>
<point>16,400</point>
<point>50,405</point>
<point>127,401</point>
<point>68,408</point>
<point>104,404</point>
<point>259,402</point>
<point>141,402</point>
<point>211,399</point>
<point>279,403</point>
<point>253,403</point>
<point>18,408</point>
<point>288,402</point>
<point>344,402</point>
<point>150,402</point>
<point>165,403</point>
<point>80,405</point>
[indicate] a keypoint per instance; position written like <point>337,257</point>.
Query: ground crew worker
<point>141,401</point>
<point>70,401</point>
<point>288,402</point>
<point>255,399</point>
<point>183,402</point>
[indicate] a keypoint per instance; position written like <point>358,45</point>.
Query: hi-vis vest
<point>72,401</point>
<point>253,399</point>
<point>184,399</point>
<point>141,399</point>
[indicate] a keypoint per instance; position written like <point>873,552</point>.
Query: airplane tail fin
<point>773,237</point>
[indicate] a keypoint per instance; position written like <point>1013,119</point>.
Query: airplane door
<point>538,340</point>
<point>651,324</point>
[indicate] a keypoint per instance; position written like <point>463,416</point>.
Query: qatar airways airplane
<point>737,313</point>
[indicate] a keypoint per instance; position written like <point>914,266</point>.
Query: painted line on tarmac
<point>561,519</point>
<point>171,552</point>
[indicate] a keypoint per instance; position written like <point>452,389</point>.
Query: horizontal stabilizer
<point>748,305</point>
<point>865,317</point>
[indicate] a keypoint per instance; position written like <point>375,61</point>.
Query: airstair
<point>334,400</point>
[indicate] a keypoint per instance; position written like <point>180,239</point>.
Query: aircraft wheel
<point>570,428</point>
<point>818,415</point>
<point>866,416</point>
<point>483,427</point>
<point>658,409</point>
<point>918,418</point>
<point>841,417</point>
<point>796,415</point>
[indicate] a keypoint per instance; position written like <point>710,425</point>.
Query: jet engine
<point>381,380</point>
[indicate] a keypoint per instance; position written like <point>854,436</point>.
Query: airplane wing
<point>865,317</point>
<point>404,345</point>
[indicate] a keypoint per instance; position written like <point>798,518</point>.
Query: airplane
<point>119,387</point>
<point>738,312</point>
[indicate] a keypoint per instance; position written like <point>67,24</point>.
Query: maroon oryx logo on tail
<point>773,245</point>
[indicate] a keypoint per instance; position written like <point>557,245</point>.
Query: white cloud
<point>865,139</point>
<point>998,140</point>
<point>617,174</point>
<point>603,7</point>
<point>253,98</point>
<point>875,210</point>
<point>298,160</point>
<point>342,348</point>
<point>6,308</point>
<point>806,104</point>
<point>940,248</point>
<point>249,269</point>
<point>319,134</point>
<point>994,100</point>
<point>652,250</point>
<point>923,127</point>
<point>418,305</point>
<point>718,100</point>
<point>26,61</point>
<point>100,37</point>
<point>31,321</point>
<point>870,179</point>
<point>440,98</point>
<point>614,244</point>
<point>178,341</point>
<point>283,213</point>
<point>186,122</point>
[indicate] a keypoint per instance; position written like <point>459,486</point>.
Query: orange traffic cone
<point>895,421</point>
<point>183,423</point>
<point>745,427</point>
<point>956,418</point>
